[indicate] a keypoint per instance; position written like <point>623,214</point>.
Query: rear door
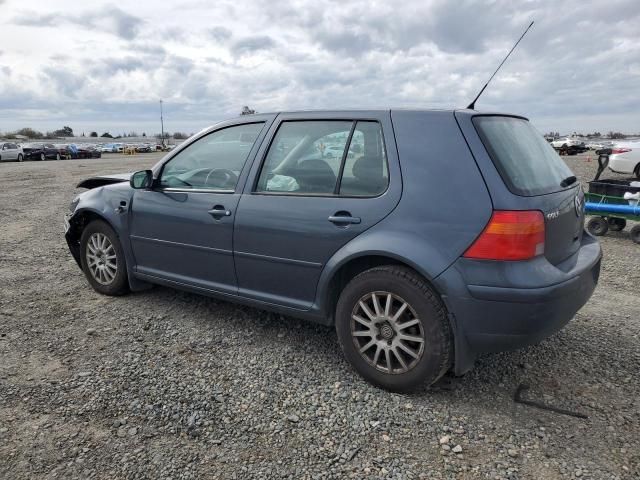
<point>524,172</point>
<point>319,182</point>
<point>14,151</point>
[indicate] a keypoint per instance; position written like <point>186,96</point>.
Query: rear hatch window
<point>528,165</point>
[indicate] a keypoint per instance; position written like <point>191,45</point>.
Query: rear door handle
<point>219,211</point>
<point>344,218</point>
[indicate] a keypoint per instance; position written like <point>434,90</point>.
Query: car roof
<point>361,111</point>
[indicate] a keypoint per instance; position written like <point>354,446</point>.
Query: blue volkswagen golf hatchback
<point>425,237</point>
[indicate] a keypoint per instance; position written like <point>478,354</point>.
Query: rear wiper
<point>568,181</point>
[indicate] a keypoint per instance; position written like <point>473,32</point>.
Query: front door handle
<point>343,218</point>
<point>219,211</point>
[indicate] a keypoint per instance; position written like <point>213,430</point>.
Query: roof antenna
<point>472,105</point>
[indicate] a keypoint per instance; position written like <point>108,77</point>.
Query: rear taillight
<point>510,235</point>
<point>616,151</point>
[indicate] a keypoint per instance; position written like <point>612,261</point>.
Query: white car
<point>567,142</point>
<point>598,145</point>
<point>11,152</point>
<point>625,158</point>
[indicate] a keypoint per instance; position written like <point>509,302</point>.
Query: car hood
<point>102,180</point>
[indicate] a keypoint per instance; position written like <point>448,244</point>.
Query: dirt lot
<point>165,384</point>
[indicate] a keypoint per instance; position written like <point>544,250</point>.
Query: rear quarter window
<point>527,163</point>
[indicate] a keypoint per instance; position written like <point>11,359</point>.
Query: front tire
<point>102,259</point>
<point>57,156</point>
<point>42,157</point>
<point>20,158</point>
<point>393,329</point>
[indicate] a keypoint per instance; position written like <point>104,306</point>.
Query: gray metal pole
<point>161,124</point>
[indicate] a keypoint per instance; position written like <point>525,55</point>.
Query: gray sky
<point>104,65</point>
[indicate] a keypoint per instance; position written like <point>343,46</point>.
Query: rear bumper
<point>521,305</point>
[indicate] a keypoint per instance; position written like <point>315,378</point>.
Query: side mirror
<point>141,179</point>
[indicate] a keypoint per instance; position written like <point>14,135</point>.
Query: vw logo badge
<point>578,202</point>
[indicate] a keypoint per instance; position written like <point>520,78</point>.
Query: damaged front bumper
<point>71,238</point>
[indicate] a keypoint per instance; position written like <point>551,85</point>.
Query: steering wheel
<point>222,177</point>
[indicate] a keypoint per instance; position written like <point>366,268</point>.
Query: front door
<point>322,181</point>
<point>182,229</point>
<point>9,151</point>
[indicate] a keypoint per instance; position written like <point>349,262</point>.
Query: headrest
<point>368,168</point>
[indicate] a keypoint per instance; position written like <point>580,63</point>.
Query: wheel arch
<point>352,266</point>
<point>83,216</point>
<point>77,223</point>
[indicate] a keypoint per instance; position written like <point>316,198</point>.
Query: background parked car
<point>88,151</point>
<point>599,145</point>
<point>625,158</point>
<point>565,142</point>
<point>11,152</point>
<point>107,148</point>
<point>144,148</point>
<point>41,151</point>
<point>569,145</point>
<point>65,150</point>
<point>112,148</point>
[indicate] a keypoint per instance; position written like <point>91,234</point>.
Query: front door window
<point>213,162</point>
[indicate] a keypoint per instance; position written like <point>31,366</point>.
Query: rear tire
<point>597,226</point>
<point>20,157</point>
<point>637,171</point>
<point>635,234</point>
<point>402,339</point>
<point>57,156</point>
<point>42,157</point>
<point>616,224</point>
<point>102,259</point>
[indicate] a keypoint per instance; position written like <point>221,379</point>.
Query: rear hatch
<point>536,179</point>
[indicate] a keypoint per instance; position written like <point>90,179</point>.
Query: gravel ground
<point>166,384</point>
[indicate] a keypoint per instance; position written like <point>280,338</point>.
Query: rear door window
<point>365,170</point>
<point>527,163</point>
<point>326,157</point>
<point>305,158</point>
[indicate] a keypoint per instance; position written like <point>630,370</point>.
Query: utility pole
<point>161,125</point>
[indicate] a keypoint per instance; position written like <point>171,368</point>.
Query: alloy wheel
<point>101,258</point>
<point>387,332</point>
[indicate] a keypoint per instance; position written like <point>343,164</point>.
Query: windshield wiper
<point>568,181</point>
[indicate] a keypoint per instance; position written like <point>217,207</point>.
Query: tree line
<point>612,135</point>
<point>67,131</point>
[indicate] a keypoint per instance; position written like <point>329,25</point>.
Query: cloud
<point>33,19</point>
<point>109,18</point>
<point>112,61</point>
<point>219,33</point>
<point>253,44</point>
<point>124,24</point>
